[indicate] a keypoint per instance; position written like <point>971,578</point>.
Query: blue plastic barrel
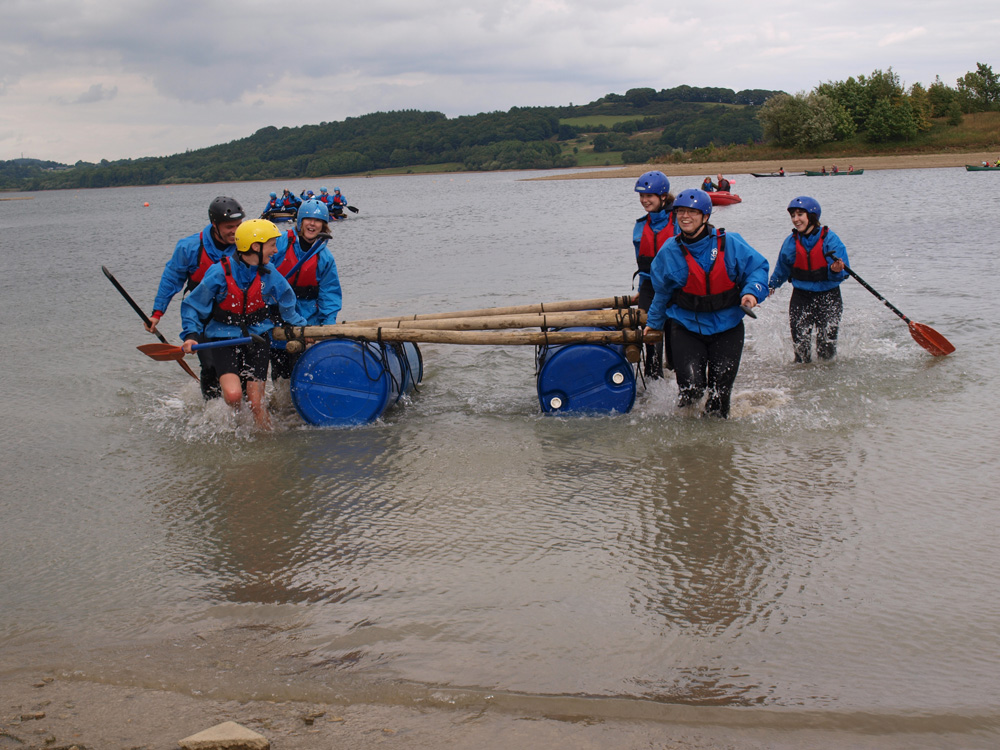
<point>585,378</point>
<point>339,382</point>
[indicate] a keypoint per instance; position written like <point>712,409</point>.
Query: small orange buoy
<point>146,204</point>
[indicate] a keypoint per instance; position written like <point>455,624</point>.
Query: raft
<point>980,168</point>
<point>721,198</point>
<point>834,174</point>
<point>278,216</point>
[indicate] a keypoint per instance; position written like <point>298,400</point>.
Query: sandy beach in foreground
<point>913,161</point>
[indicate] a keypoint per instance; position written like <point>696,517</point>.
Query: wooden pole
<point>615,303</point>
<point>630,318</point>
<point>474,338</point>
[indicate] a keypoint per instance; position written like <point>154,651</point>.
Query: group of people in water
<point>288,202</point>
<point>697,283</point>
<point>835,169</point>
<point>242,278</point>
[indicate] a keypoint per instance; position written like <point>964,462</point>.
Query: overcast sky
<point>110,79</point>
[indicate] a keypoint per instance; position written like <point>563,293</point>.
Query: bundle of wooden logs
<point>621,323</point>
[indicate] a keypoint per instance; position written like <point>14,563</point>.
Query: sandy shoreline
<point>66,712</point>
<point>913,161</point>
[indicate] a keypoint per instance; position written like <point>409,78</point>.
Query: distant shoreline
<point>909,161</point>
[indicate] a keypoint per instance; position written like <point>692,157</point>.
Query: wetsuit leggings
<point>656,354</point>
<point>819,312</point>
<point>209,378</point>
<point>706,362</point>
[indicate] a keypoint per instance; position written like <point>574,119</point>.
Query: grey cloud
<point>96,93</point>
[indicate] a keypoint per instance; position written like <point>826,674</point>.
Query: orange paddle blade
<point>930,339</point>
<point>161,352</point>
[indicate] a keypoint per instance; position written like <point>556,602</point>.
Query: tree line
<point>878,108</point>
<point>648,125</point>
<point>521,138</point>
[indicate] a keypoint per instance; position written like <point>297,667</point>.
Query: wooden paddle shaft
<point>629,318</point>
<point>475,338</point>
<point>616,303</point>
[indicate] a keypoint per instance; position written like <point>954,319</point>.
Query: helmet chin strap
<point>261,270</point>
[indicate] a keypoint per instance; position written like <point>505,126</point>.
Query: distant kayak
<point>721,198</point>
<point>834,174</point>
<point>980,168</point>
<point>777,174</point>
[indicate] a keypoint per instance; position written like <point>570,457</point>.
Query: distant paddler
<point>192,258</point>
<point>233,301</point>
<point>702,278</point>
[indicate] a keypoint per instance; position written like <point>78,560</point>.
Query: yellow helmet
<point>254,230</point>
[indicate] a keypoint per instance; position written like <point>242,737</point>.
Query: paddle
<point>165,352</point>
<point>352,209</point>
<point>748,312</point>
<point>924,335</point>
<point>145,318</point>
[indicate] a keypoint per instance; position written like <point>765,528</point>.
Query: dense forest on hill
<point>642,125</point>
<point>521,138</point>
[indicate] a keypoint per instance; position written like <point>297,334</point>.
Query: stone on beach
<point>226,736</point>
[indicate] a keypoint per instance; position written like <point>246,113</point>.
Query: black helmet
<point>225,208</point>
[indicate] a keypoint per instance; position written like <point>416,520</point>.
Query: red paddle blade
<point>161,352</point>
<point>930,339</point>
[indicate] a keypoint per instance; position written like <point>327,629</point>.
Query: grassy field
<point>593,121</point>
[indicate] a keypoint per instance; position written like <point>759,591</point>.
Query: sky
<point>114,79</point>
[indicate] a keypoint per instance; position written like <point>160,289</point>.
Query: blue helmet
<point>310,192</point>
<point>696,199</point>
<point>807,204</point>
<point>322,190</point>
<point>312,209</point>
<point>274,195</point>
<point>653,182</point>
<point>336,190</point>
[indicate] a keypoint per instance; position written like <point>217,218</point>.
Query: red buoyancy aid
<point>651,242</point>
<point>338,200</point>
<point>709,292</point>
<point>810,265</point>
<point>240,308</point>
<point>305,281</point>
<point>204,263</point>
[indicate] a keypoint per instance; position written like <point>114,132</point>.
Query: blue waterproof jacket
<point>184,262</point>
<point>658,220</point>
<point>786,259</point>
<point>323,310</point>
<point>196,309</point>
<point>745,266</point>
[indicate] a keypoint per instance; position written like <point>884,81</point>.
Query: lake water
<point>826,558</point>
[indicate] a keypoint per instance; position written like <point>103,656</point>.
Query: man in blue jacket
<point>192,257</point>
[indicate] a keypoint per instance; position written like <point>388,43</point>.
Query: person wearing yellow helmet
<point>233,300</point>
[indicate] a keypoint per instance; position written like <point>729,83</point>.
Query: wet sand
<point>67,712</point>
<point>64,712</point>
<point>912,161</point>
